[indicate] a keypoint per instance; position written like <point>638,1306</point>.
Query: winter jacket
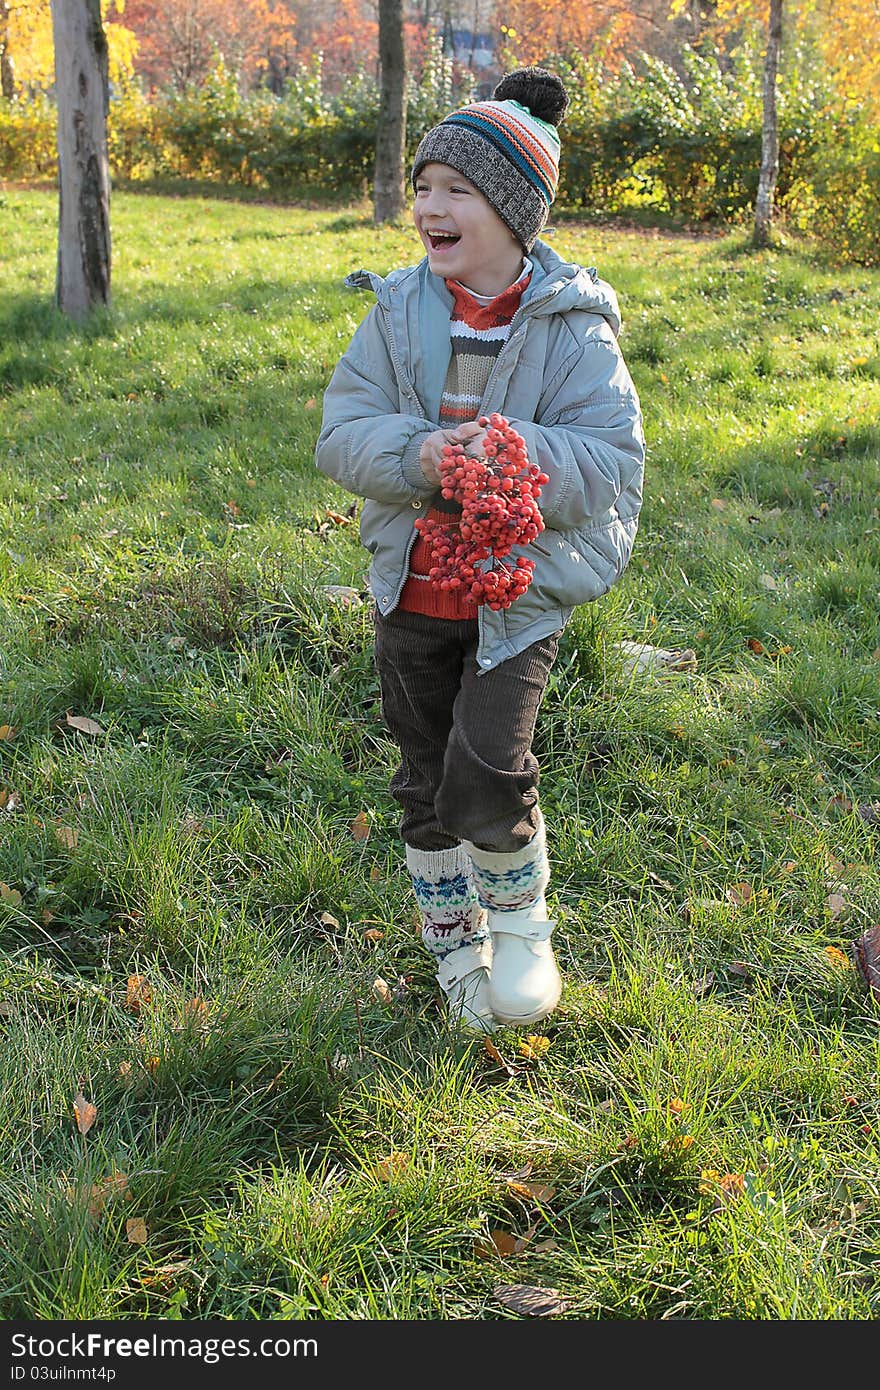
<point>561,381</point>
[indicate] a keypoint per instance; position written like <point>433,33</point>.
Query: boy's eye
<point>456,189</point>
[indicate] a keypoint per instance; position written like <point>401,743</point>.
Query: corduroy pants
<point>467,770</point>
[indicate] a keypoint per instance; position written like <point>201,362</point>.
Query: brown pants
<point>467,771</point>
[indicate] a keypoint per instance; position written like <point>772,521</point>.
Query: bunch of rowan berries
<point>498,494</point>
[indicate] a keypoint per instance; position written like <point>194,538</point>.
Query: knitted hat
<point>508,147</point>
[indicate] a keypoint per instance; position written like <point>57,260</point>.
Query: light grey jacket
<point>561,381</point>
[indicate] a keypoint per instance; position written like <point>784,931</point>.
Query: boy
<point>491,320</point>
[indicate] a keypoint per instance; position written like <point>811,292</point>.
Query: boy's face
<point>462,233</point>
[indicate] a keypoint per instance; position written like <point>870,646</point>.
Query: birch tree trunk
<point>82,91</point>
<point>769,131</point>
<point>7,70</point>
<point>389,199</point>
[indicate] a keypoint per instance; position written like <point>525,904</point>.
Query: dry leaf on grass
<point>867,957</point>
<point>138,992</point>
<point>6,732</point>
<point>360,826</point>
<point>382,990</point>
<point>739,967</point>
<point>85,725</point>
<point>492,1051</point>
<point>391,1167</point>
<point>373,934</point>
<point>532,1191</point>
<point>836,905</point>
<point>739,893</point>
<point>84,1113</point>
<point>502,1243</point>
<point>67,836</point>
<point>533,1047</point>
<point>528,1298</point>
<point>9,895</point>
<point>136,1230</point>
<point>838,958</point>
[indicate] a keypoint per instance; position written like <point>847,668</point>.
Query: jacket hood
<point>556,286</point>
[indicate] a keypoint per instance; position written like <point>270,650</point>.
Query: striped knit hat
<point>508,147</point>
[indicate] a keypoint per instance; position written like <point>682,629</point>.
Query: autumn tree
<point>82,91</point>
<point>769,129</point>
<point>388,184</point>
<point>27,45</point>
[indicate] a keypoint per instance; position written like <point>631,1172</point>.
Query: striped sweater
<point>478,329</point>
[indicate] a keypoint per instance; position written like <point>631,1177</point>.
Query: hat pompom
<point>538,89</point>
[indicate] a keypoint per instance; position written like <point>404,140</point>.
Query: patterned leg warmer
<point>512,882</point>
<point>444,889</point>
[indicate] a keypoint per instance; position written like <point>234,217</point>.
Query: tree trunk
<point>82,91</point>
<point>769,131</point>
<point>7,69</point>
<point>389,199</point>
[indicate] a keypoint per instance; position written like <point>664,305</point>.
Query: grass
<point>702,1123</point>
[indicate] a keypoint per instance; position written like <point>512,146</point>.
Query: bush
<point>837,195</point>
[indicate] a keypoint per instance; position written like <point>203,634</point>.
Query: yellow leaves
<point>360,826</point>
<point>837,958</point>
<point>537,1192</point>
<point>138,992</point>
<point>533,1047</point>
<point>84,1112</point>
<point>373,935</point>
<point>7,732</point>
<point>677,1106</point>
<point>393,1166</point>
<point>724,1187</point>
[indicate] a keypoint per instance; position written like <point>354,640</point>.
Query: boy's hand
<point>470,435</point>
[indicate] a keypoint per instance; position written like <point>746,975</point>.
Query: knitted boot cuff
<point>435,864</point>
<point>498,862</point>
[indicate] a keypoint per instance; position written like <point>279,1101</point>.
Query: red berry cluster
<point>499,495</point>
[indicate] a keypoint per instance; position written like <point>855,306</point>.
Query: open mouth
<point>442,241</point>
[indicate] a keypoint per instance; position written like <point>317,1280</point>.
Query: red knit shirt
<point>477,332</point>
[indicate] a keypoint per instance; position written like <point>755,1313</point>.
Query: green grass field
<point>696,1134</point>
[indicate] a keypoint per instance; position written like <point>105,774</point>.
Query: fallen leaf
<point>532,1191</point>
<point>719,504</point>
<point>867,957</point>
<point>492,1051</point>
<point>152,1064</point>
<point>835,904</point>
<point>502,1243</point>
<point>728,1187</point>
<point>67,836</point>
<point>138,992</point>
<point>336,517</point>
<point>342,594</point>
<point>382,990</point>
<point>195,1013</point>
<point>47,916</point>
<point>373,934</point>
<point>9,895</point>
<point>85,726</point>
<point>739,893</point>
<point>529,1299</point>
<point>837,957</point>
<point>387,1169</point>
<point>768,582</point>
<point>788,867</point>
<point>328,920</point>
<point>755,646</point>
<point>375,873</point>
<point>6,732</point>
<point>677,1105</point>
<point>136,1230</point>
<point>360,826</point>
<point>311,403</point>
<point>533,1046</point>
<point>739,967</point>
<point>84,1113</point>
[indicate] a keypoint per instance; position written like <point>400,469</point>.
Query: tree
<point>82,91</point>
<point>769,130</point>
<point>388,185</point>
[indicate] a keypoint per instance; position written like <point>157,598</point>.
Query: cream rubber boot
<point>525,983</point>
<point>464,979</point>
